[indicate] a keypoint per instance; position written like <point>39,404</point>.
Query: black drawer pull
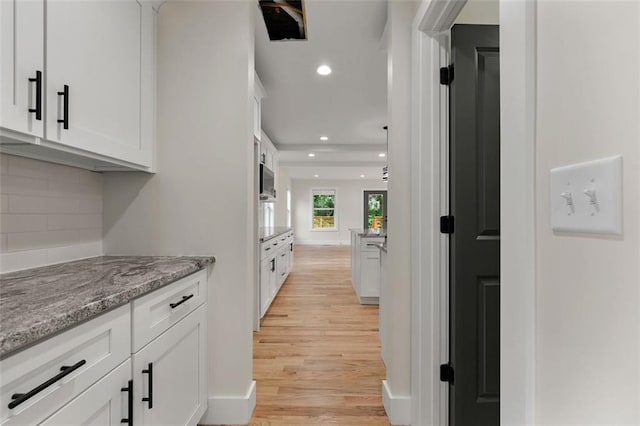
<point>267,249</point>
<point>38,109</point>
<point>283,254</point>
<point>184,299</point>
<point>291,247</point>
<point>19,398</point>
<point>149,399</point>
<point>273,265</point>
<point>129,390</point>
<point>65,107</point>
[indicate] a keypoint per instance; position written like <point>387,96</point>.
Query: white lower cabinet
<point>275,266</point>
<point>92,375</point>
<point>106,403</point>
<point>170,375</point>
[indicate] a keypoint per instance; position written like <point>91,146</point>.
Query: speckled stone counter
<point>268,233</point>
<point>36,303</point>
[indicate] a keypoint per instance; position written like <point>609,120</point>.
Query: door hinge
<point>446,373</point>
<point>446,75</point>
<point>446,224</point>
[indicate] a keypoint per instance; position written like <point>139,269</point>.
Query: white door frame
<point>429,186</point>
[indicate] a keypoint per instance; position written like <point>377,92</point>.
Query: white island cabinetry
<point>365,266</point>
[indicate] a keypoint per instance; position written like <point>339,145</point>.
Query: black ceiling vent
<point>285,19</point>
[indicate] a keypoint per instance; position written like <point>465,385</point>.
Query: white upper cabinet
<point>97,103</point>
<point>22,68</point>
<point>94,77</point>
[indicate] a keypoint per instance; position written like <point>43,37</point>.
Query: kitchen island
<point>365,264</point>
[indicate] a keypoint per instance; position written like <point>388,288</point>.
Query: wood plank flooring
<point>317,357</point>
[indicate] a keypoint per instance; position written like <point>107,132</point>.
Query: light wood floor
<point>317,357</point>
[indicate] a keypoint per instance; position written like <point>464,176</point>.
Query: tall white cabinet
<point>92,105</point>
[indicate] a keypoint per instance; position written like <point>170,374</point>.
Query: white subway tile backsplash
<point>47,206</point>
<point>90,205</point>
<point>43,205</point>
<point>75,221</point>
<point>22,222</point>
<point>27,167</point>
<point>70,189</point>
<point>4,203</point>
<point>23,185</point>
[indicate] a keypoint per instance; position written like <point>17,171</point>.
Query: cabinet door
<point>283,266</point>
<point>171,376</point>
<point>265,285</point>
<point>95,48</point>
<point>22,55</point>
<point>106,403</point>
<point>370,275</point>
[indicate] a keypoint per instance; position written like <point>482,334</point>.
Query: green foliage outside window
<point>324,210</point>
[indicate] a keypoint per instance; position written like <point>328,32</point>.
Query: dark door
<point>475,242</point>
<point>375,210</point>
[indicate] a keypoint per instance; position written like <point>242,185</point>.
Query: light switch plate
<point>586,198</point>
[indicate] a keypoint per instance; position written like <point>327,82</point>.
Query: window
<point>288,207</point>
<point>324,208</point>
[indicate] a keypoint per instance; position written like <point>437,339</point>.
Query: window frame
<point>335,227</point>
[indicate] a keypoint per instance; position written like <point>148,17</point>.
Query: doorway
<point>374,210</point>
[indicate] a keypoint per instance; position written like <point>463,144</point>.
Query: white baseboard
<point>398,408</point>
<point>231,410</point>
<point>18,260</point>
<point>323,242</point>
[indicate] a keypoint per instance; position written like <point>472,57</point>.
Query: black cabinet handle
<point>65,107</point>
<point>273,265</point>
<point>129,390</point>
<point>149,371</point>
<point>19,398</point>
<point>38,109</point>
<point>267,249</point>
<point>184,299</point>
<point>283,254</point>
<point>290,246</point>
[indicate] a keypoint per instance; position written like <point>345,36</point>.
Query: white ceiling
<point>336,173</point>
<point>349,105</point>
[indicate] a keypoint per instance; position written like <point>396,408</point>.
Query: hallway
<point>317,357</point>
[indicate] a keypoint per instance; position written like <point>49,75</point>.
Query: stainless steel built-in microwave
<point>267,184</point>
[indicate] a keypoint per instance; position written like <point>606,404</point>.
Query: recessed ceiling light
<point>362,176</point>
<point>311,154</point>
<point>382,154</point>
<point>324,70</point>
<point>315,175</point>
<point>324,138</point>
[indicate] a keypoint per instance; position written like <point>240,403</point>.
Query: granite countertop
<point>36,303</point>
<point>268,233</point>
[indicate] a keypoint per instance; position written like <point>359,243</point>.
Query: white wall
<point>588,288</point>
<point>486,12</point>
<point>283,184</point>
<point>49,213</point>
<point>400,17</point>
<point>201,201</point>
<point>349,209</point>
